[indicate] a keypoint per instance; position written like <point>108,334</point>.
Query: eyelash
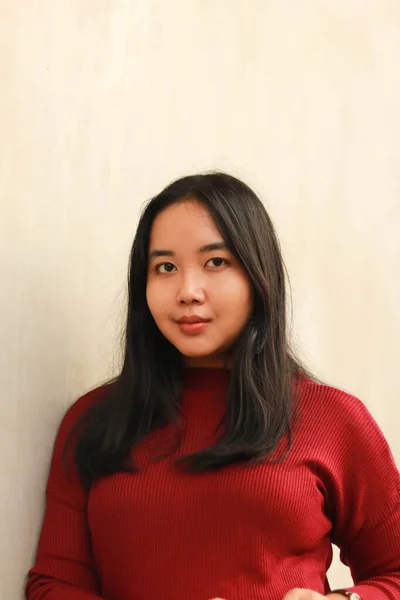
<point>157,267</point>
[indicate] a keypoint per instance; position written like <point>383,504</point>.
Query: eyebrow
<point>207,248</point>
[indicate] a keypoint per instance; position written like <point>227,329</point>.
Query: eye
<point>218,259</point>
<point>167,265</point>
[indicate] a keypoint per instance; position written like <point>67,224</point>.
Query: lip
<point>192,319</point>
<point>195,327</point>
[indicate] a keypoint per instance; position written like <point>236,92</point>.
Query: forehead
<point>186,222</point>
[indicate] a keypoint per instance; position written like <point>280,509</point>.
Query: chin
<point>187,354</point>
<point>195,352</point>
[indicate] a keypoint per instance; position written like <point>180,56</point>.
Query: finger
<point>302,594</point>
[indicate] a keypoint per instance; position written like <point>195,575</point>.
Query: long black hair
<point>146,393</point>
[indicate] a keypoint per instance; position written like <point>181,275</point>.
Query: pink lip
<point>192,319</point>
<point>193,327</point>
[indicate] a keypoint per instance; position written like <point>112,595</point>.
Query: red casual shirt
<point>241,533</point>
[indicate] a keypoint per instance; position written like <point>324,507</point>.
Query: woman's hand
<point>301,594</point>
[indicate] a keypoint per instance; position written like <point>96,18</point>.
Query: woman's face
<point>186,279</point>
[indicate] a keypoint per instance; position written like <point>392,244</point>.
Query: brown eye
<point>219,260</point>
<point>167,266</point>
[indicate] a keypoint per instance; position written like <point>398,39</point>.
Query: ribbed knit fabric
<point>242,533</point>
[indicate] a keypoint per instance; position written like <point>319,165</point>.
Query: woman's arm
<point>366,505</point>
<point>64,568</point>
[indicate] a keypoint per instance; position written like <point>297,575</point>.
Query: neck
<point>221,362</point>
<point>206,377</point>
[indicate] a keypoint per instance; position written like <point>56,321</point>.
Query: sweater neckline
<point>205,378</point>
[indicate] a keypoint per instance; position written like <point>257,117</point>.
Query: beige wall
<point>102,103</point>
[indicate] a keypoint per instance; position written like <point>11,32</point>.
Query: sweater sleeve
<point>365,503</point>
<point>64,568</point>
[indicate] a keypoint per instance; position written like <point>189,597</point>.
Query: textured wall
<point>102,103</point>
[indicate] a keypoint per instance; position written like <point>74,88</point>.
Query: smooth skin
<point>302,594</point>
<point>185,279</point>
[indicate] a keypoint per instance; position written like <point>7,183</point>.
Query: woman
<point>215,465</point>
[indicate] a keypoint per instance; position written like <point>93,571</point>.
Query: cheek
<point>155,300</point>
<point>149,297</point>
<point>234,299</point>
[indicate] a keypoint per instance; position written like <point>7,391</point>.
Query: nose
<point>191,289</point>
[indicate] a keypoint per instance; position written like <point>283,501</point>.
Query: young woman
<point>215,465</point>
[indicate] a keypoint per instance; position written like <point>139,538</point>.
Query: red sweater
<point>241,533</point>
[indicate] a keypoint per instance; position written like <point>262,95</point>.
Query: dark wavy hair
<point>146,393</point>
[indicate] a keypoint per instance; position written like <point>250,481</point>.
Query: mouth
<point>195,327</point>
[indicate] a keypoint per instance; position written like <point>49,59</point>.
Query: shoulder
<point>63,480</point>
<point>78,409</point>
<point>340,441</point>
<point>339,420</point>
<point>325,400</point>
